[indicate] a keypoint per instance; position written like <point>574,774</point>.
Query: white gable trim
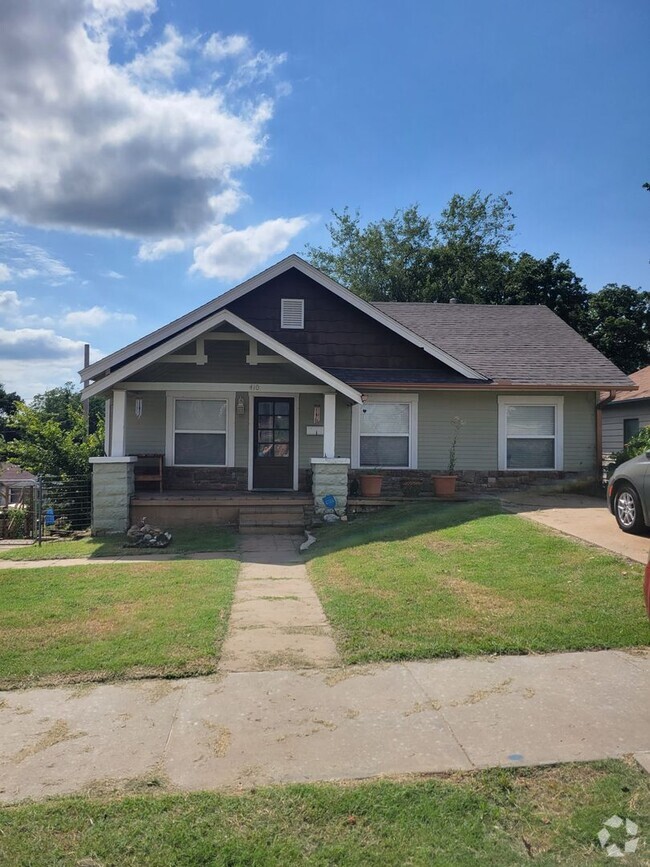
<point>200,328</point>
<point>293,261</point>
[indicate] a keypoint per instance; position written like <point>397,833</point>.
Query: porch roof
<point>126,371</point>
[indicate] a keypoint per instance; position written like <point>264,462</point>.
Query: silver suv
<point>628,494</point>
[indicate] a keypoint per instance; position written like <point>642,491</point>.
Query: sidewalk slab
<point>126,558</point>
<point>246,729</point>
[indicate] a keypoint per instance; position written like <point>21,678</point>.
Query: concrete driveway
<point>586,518</point>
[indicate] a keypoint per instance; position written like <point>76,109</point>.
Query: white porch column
<point>329,426</point>
<point>118,422</point>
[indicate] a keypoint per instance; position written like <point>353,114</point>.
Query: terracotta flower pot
<point>370,486</point>
<point>444,486</point>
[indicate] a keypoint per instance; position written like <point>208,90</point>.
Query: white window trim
<point>399,397</point>
<point>531,400</point>
<point>283,325</point>
<point>172,397</point>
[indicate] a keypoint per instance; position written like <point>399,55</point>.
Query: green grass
<point>186,540</point>
<point>105,621</point>
<point>430,580</point>
<point>502,817</point>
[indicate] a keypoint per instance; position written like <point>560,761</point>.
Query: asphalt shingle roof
<point>518,344</point>
<point>642,379</point>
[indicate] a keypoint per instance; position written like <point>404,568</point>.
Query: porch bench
<point>152,471</point>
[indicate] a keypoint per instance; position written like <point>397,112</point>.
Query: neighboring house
<point>291,373</point>
<point>627,413</point>
<point>13,484</point>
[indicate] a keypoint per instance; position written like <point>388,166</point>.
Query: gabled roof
<point>511,344</point>
<point>157,337</point>
<point>221,316</point>
<point>641,379</point>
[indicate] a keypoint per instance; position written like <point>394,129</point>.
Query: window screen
<point>200,432</point>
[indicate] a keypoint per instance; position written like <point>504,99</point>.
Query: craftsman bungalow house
<point>290,376</point>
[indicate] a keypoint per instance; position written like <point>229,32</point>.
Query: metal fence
<point>63,506</point>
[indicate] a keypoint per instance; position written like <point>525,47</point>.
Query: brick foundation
<point>471,480</point>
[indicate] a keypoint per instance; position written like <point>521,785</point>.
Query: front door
<point>273,443</point>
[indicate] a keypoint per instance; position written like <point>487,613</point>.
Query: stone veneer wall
<point>471,480</point>
<point>330,476</point>
<point>113,487</point>
<point>216,479</point>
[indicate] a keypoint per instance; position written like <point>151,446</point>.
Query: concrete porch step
<point>270,530</point>
<point>271,519</point>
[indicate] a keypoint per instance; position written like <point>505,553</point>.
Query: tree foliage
<point>619,325</point>
<point>50,434</point>
<point>636,446</point>
<point>9,400</point>
<point>466,255</point>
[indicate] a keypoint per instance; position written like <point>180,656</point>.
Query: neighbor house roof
<point>642,379</point>
<point>511,344</point>
<point>10,474</point>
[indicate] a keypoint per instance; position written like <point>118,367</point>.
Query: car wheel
<point>627,509</point>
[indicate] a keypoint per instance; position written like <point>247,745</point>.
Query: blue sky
<point>153,155</point>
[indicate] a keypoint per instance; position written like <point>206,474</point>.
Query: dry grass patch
<point>92,623</point>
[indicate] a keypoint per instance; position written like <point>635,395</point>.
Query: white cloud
<point>218,46</point>
<point>25,261</point>
<point>94,146</point>
<point>9,302</point>
<point>226,253</point>
<point>94,317</point>
<point>112,275</point>
<point>150,251</point>
<point>5,273</point>
<point>35,359</point>
<point>163,61</point>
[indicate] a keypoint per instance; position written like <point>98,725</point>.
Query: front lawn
<point>432,580</point>
<point>185,540</point>
<point>546,815</point>
<point>103,621</point>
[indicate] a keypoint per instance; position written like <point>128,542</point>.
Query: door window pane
<point>201,415</point>
<point>265,421</point>
<point>281,451</point>
<point>530,421</point>
<point>531,454</point>
<point>200,449</point>
<point>281,407</point>
<point>282,422</point>
<point>384,451</point>
<point>265,436</point>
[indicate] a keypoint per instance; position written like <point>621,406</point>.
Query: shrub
<point>636,446</point>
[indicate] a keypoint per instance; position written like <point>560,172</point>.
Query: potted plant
<point>445,485</point>
<point>370,485</point>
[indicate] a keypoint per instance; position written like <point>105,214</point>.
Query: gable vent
<point>293,313</point>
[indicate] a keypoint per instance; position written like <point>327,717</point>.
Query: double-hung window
<point>199,432</point>
<point>530,433</point>
<point>386,429</point>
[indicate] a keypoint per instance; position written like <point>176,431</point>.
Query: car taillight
<point>610,488</point>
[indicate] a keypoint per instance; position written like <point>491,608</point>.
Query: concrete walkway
<point>253,728</point>
<point>586,518</point>
<point>126,558</point>
<point>277,620</point>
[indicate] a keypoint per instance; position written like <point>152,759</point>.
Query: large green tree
<point>9,400</point>
<point>619,325</point>
<point>466,255</point>
<point>51,436</point>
